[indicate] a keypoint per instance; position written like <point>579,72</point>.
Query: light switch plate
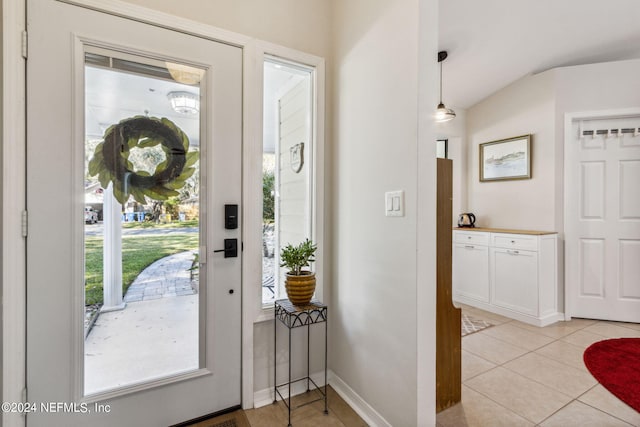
<point>394,203</point>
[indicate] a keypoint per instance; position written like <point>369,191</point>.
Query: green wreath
<point>111,163</point>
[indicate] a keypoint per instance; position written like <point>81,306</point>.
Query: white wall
<point>456,132</point>
<point>537,105</point>
<point>374,314</point>
<point>524,107</point>
<point>594,87</point>
<point>299,24</point>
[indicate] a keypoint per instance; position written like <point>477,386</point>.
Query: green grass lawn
<point>149,224</point>
<point>138,252</point>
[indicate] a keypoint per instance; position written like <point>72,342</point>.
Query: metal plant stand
<point>294,317</point>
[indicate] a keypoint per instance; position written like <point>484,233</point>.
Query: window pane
<point>287,167</point>
<point>442,148</point>
<point>141,220</point>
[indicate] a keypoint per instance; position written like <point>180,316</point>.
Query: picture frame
<point>506,159</point>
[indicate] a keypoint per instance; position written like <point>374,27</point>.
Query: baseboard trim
<point>264,397</point>
<point>541,321</point>
<point>357,403</point>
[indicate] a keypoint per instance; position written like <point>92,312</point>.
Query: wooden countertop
<point>504,230</point>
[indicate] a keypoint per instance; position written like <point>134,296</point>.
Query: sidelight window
<point>288,166</point>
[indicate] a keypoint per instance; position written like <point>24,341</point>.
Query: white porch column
<point>112,260</point>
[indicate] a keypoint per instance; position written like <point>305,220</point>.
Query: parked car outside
<point>90,216</point>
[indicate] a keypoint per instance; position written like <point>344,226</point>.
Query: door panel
<point>471,272</point>
<point>515,280</point>
<point>58,363</point>
<point>603,212</point>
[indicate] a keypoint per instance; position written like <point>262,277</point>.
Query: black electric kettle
<point>466,220</point>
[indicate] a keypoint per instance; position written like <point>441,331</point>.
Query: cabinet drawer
<point>514,241</point>
<point>471,237</point>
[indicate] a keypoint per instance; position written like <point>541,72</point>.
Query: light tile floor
<point>515,374</point>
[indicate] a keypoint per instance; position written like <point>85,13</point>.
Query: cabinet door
<point>514,281</point>
<point>471,271</point>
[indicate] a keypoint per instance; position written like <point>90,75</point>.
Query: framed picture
<point>506,159</point>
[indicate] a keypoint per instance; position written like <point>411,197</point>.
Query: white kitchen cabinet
<point>471,265</point>
<point>509,272</point>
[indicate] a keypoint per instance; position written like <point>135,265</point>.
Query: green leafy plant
<point>268,199</point>
<point>296,257</point>
<point>111,160</point>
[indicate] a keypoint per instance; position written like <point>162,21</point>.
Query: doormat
<point>471,325</point>
<point>615,364</point>
<point>233,419</point>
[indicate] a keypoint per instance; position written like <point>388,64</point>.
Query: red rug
<point>616,365</point>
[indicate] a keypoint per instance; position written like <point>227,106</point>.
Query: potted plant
<point>300,284</point>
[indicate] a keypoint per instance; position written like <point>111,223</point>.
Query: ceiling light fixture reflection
<point>443,114</point>
<point>184,102</point>
<point>185,74</point>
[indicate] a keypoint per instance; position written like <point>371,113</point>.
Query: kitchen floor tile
<point>518,336</point>
<point>583,339</point>
<point>577,414</point>
<point>602,399</point>
<point>558,329</point>
<point>491,349</point>
<point>476,410</point>
<point>612,330</point>
<point>565,353</point>
<point>556,375</point>
<point>525,397</point>
<point>473,365</point>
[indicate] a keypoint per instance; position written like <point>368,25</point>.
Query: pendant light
<point>443,114</point>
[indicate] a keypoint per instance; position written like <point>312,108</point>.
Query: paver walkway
<point>167,277</point>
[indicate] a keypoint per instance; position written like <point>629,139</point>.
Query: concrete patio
<point>156,335</point>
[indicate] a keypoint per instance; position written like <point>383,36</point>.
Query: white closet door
<point>603,219</point>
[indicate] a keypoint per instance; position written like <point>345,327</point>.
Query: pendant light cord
<point>440,82</point>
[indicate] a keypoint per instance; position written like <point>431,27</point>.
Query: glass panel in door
<point>142,223</point>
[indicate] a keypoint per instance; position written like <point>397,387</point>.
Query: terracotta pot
<point>300,289</point>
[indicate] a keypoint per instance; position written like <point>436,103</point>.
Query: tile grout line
<point>501,365</point>
<point>555,339</point>
<point>500,404</point>
<point>598,409</point>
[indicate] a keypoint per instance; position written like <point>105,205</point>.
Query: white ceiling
<point>492,43</point>
<point>112,95</point>
<point>277,79</point>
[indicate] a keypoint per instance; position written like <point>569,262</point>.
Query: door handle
<point>230,248</point>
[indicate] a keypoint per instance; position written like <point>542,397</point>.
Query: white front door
<point>140,125</point>
<point>602,219</point>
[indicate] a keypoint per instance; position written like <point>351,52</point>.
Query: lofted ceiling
<point>492,43</point>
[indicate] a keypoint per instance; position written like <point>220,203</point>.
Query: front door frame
<point>14,216</point>
<point>13,207</point>
<point>569,119</point>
